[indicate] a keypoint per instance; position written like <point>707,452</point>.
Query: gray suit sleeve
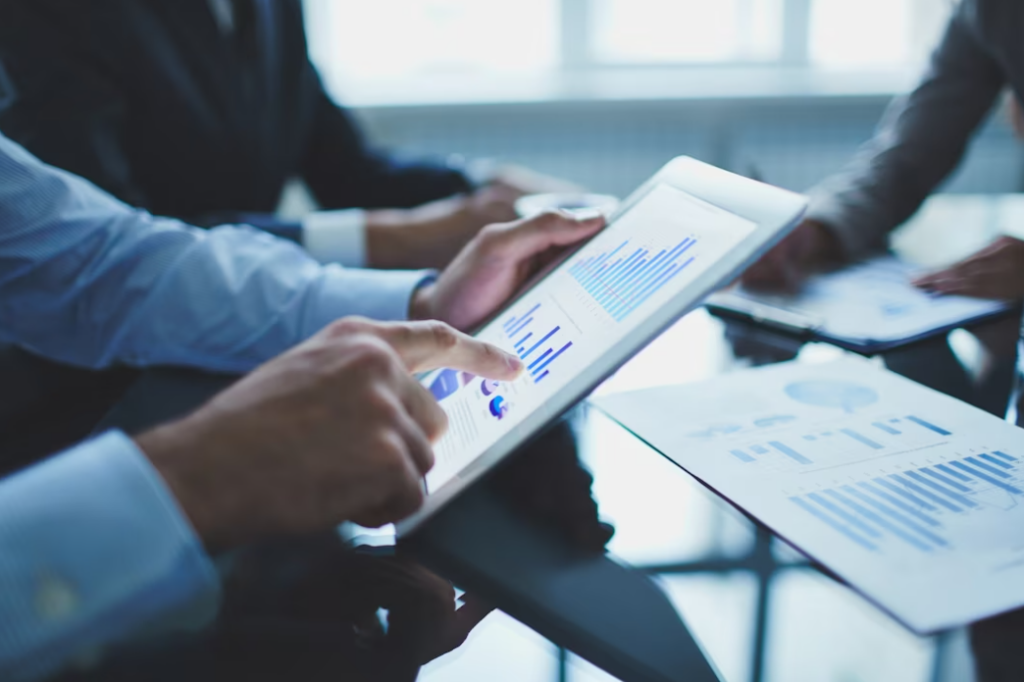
<point>920,141</point>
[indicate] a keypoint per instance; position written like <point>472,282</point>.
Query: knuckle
<point>372,355</point>
<point>383,406</point>
<point>392,458</point>
<point>347,326</point>
<point>443,336</point>
<point>493,235</point>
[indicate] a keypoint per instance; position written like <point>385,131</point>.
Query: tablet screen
<point>579,312</point>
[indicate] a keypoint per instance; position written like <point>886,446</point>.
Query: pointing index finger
<point>425,346</point>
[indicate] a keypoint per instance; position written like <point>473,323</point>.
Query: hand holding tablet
<point>495,265</point>
<point>682,235</point>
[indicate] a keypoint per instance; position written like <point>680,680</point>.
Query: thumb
<point>425,346</point>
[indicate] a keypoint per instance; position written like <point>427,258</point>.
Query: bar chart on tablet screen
<point>623,279</point>
<point>541,336</point>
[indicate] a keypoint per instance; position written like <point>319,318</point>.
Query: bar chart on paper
<point>913,498</point>
<point>832,443</point>
<point>622,279</point>
<point>914,507</point>
<point>540,338</point>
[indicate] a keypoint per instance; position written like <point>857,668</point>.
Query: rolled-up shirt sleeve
<point>93,548</point>
<point>87,280</point>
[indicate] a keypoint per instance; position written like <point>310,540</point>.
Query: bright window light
<point>403,46</point>
<point>861,33</point>
<point>361,40</point>
<point>659,31</point>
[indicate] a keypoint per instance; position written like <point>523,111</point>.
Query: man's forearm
<point>86,280</point>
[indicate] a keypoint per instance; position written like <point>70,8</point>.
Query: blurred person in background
<point>920,141</point>
<point>203,110</point>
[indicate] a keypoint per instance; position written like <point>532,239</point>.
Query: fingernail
<point>515,364</point>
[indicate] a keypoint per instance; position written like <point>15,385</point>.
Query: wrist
<point>828,246</point>
<point>172,450</point>
<point>421,305</point>
<point>383,230</point>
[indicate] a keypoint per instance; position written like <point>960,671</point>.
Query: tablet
<point>686,232</point>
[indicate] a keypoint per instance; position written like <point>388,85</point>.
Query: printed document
<point>912,497</point>
<point>872,302</point>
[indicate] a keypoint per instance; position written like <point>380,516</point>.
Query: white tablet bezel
<point>774,211</point>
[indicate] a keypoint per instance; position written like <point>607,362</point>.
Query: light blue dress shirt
<point>93,547</point>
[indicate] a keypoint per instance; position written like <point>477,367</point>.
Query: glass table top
<point>756,606</point>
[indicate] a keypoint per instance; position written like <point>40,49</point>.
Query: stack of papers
<point>913,498</point>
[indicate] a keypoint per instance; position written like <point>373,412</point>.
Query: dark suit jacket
<point>924,135</point>
<point>151,101</point>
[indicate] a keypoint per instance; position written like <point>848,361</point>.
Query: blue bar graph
<point>846,516</point>
<point>922,492</point>
<point>519,326</point>
<point>873,518</point>
<point>908,507</point>
<point>899,504</point>
<point>537,355</point>
<point>512,321</point>
<point>955,474</point>
<point>742,456</point>
<point>886,428</point>
<point>931,427</point>
<point>861,439</point>
<point>789,452</point>
<point>624,278</point>
<point>955,496</point>
<point>946,481</point>
<point>913,499</point>
<point>988,479</point>
<point>895,515</point>
<point>987,467</point>
<point>995,460</point>
<point>814,511</point>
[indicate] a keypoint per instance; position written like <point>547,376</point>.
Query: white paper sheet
<point>912,497</point>
<point>870,302</point>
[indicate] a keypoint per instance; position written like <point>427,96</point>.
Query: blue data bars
<point>907,508</point>
<point>621,280</point>
<point>537,354</point>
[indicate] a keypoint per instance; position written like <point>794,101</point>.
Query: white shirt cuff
<point>336,237</point>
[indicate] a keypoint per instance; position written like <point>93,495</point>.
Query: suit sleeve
<point>67,111</point>
<point>919,143</point>
<point>344,171</point>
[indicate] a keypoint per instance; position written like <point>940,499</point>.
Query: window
<point>382,40</point>
<point>850,33</point>
<point>660,31</point>
<point>373,39</point>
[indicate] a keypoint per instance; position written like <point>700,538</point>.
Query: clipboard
<point>833,303</point>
